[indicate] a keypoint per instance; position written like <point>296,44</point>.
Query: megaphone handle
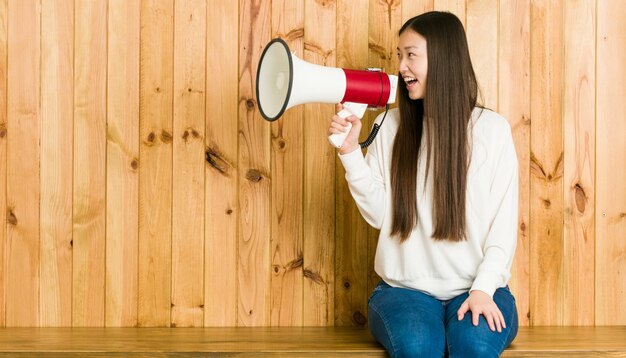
<point>358,110</point>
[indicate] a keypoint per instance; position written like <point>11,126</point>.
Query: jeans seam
<point>393,346</point>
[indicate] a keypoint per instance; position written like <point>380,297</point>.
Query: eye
<point>411,54</point>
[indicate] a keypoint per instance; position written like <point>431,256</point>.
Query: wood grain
<point>482,38</point>
<point>544,341</point>
<point>456,7</point>
<point>287,138</point>
<point>221,209</point>
<point>319,175</point>
<point>155,171</point>
<point>3,154</point>
<point>90,98</point>
<point>411,8</point>
<point>266,233</point>
<point>122,221</point>
<point>254,171</point>
<point>546,164</point>
<point>351,231</point>
<point>188,164</point>
<point>514,104</point>
<point>610,217</point>
<point>23,164</point>
<point>57,127</point>
<point>579,133</point>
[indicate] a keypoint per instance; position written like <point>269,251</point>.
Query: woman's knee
<point>417,348</point>
<point>401,340</point>
<point>473,350</point>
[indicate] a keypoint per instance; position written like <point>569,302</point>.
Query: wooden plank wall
<point>141,186</point>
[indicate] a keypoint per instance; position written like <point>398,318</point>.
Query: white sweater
<point>444,269</point>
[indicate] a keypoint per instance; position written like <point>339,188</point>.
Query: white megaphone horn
<point>283,81</point>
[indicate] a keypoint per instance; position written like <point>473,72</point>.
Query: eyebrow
<point>407,47</point>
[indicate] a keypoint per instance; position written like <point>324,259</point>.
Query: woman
<point>441,183</point>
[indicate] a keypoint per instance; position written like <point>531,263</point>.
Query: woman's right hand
<point>339,125</point>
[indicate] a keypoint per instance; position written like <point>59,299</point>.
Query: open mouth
<point>410,81</point>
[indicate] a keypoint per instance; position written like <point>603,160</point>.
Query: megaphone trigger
<point>349,109</point>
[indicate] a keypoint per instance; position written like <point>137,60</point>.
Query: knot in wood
<point>254,175</point>
<point>166,137</point>
<point>151,138</point>
<point>281,144</point>
<point>250,104</point>
<point>11,218</point>
<point>580,197</point>
<point>313,276</point>
<point>359,318</point>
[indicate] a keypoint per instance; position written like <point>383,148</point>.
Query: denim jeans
<point>411,323</point>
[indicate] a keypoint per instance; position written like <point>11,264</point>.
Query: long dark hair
<point>451,95</point>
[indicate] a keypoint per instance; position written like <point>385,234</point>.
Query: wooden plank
<point>411,8</point>
<point>287,184</point>
<point>221,210</point>
<point>57,121</point>
<point>351,233</point>
<point>514,104</point>
<point>611,167</point>
<point>3,153</point>
<point>579,86</point>
<point>195,342</point>
<point>319,175</point>
<point>23,160</point>
<point>188,164</point>
<point>122,221</point>
<point>542,341</point>
<point>482,38</point>
<point>456,7</point>
<point>254,171</point>
<point>384,24</point>
<point>155,171</point>
<point>90,76</point>
<point>546,163</point>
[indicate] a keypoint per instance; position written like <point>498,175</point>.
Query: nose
<point>402,65</point>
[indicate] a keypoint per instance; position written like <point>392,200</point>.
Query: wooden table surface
<point>282,342</point>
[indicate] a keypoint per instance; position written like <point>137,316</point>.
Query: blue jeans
<point>410,323</point>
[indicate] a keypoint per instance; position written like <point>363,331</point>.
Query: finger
<point>339,107</point>
<point>502,321</point>
<point>489,318</point>
<point>337,128</point>
<point>497,321</point>
<point>352,118</point>
<point>334,131</point>
<point>339,120</point>
<point>475,316</point>
<point>462,310</point>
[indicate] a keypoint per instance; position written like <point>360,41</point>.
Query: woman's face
<point>413,63</point>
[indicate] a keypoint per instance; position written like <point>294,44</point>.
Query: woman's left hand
<point>480,303</point>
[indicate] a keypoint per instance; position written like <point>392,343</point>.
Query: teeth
<point>409,79</point>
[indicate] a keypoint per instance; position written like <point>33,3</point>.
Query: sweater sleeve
<point>499,247</point>
<point>366,183</point>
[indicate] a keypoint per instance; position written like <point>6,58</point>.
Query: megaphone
<point>284,81</point>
